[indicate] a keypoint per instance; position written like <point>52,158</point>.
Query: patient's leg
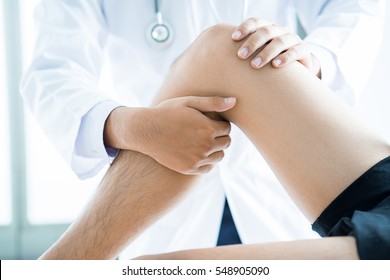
<point>315,144</point>
<point>135,191</point>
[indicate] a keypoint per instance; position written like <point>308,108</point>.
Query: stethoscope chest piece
<point>159,35</point>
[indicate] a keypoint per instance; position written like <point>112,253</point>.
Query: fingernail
<point>257,62</point>
<point>243,53</point>
<point>277,62</point>
<point>229,100</point>
<point>237,35</point>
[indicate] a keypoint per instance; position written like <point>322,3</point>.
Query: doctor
<point>140,40</point>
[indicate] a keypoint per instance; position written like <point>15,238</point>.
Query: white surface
<point>5,184</point>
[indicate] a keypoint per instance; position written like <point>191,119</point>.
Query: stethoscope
<point>160,34</point>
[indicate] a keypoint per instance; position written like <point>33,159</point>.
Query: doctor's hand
<point>274,43</point>
<point>176,133</point>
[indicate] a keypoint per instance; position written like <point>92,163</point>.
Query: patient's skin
<point>315,144</point>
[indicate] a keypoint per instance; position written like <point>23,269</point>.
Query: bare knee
<point>214,44</point>
<point>208,67</point>
<point>207,63</point>
<point>216,33</point>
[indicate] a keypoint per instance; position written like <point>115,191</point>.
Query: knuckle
<point>204,130</point>
<point>206,168</point>
<point>251,19</point>
<point>188,172</point>
<point>216,101</point>
<point>228,128</point>
<point>245,27</point>
<point>189,167</point>
<point>265,54</point>
<point>283,57</point>
<point>228,142</point>
<point>193,164</point>
<point>267,30</point>
<point>248,25</point>
<point>286,58</point>
<point>209,132</point>
<point>221,155</point>
<point>252,43</point>
<point>282,40</point>
<point>291,53</point>
<point>206,150</point>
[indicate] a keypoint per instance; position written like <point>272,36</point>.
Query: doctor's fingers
<point>221,128</point>
<point>277,47</point>
<point>204,169</point>
<point>296,53</point>
<point>249,26</point>
<point>213,155</point>
<point>208,163</point>
<point>261,37</point>
<point>219,144</point>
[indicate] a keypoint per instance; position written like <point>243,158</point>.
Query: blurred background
<point>39,194</point>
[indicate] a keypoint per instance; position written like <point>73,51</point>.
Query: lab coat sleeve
<point>61,84</point>
<point>345,36</point>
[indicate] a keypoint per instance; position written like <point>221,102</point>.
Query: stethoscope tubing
<point>160,33</point>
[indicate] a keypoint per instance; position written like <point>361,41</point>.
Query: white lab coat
<point>61,88</point>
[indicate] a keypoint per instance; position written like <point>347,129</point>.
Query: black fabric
<point>362,211</point>
<point>228,234</point>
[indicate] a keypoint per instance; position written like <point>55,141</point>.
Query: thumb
<point>211,104</point>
